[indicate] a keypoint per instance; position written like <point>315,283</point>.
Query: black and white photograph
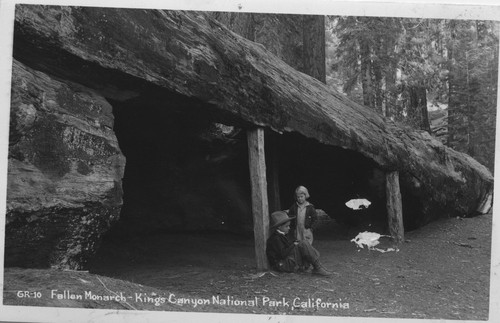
<point>160,161</point>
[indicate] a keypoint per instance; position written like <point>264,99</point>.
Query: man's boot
<point>320,270</point>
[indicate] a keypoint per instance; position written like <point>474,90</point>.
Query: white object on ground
<point>370,240</point>
<point>358,204</point>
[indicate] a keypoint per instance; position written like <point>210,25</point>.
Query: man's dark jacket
<point>279,252</point>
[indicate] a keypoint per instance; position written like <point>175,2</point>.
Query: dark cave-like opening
<point>333,176</point>
<point>187,171</point>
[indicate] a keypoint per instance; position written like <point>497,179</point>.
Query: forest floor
<point>442,271</point>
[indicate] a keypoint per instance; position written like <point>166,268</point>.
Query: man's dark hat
<point>278,218</point>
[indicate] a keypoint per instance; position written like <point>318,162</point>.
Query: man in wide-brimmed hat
<point>290,256</point>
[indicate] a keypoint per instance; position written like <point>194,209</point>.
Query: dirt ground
<point>441,272</point>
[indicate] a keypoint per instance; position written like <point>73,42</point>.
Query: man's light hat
<point>278,218</point>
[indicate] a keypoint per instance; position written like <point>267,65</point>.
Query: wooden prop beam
<point>274,184</point>
<point>260,205</point>
<point>394,206</point>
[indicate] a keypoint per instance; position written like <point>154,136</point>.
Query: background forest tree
<point>439,76</point>
<point>299,40</point>
<point>410,69</point>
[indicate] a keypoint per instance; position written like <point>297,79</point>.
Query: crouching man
<point>290,256</point>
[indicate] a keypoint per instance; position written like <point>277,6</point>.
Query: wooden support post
<point>394,206</point>
<point>260,206</point>
<point>274,184</point>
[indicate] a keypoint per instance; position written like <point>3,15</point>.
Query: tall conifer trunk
<point>390,78</point>
<point>418,107</point>
<point>461,94</point>
<point>377,73</point>
<point>366,79</point>
<point>313,34</point>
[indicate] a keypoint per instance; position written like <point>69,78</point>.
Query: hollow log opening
<point>333,176</point>
<point>185,171</point>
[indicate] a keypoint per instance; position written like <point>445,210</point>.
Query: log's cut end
<point>65,169</point>
<point>485,204</point>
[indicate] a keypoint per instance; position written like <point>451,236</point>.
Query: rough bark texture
<point>297,40</point>
<point>366,81</point>
<point>125,53</point>
<point>417,107</point>
<point>65,170</point>
<point>394,207</point>
<point>282,35</point>
<point>260,206</point>
<point>314,47</point>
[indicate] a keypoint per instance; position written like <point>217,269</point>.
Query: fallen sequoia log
<point>65,169</point>
<point>189,58</point>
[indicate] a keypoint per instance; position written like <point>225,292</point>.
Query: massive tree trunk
<point>390,74</point>
<point>298,40</point>
<point>377,76</point>
<point>314,47</point>
<point>125,54</point>
<point>241,23</point>
<point>279,34</point>
<point>366,74</point>
<point>65,170</point>
<point>417,108</point>
<point>459,98</point>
